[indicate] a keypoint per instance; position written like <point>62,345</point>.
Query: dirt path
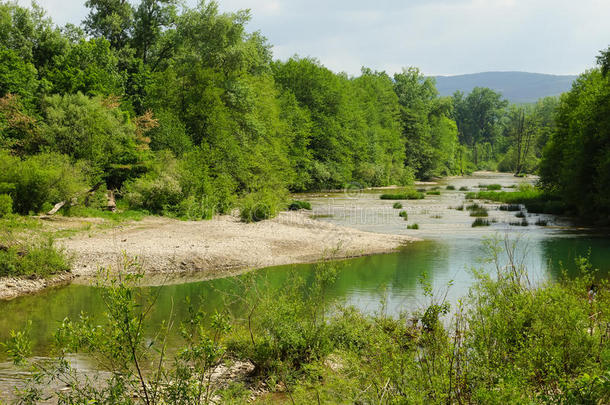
<point>222,246</point>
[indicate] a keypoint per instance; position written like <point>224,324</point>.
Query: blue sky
<point>438,36</point>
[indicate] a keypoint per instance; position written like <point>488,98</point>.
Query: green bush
<point>259,206</point>
<point>36,259</point>
<point>406,195</point>
<point>404,215</point>
<point>6,205</point>
<point>40,181</point>
<point>397,206</point>
<point>413,226</point>
<point>464,188</point>
<point>299,205</point>
<point>450,188</point>
<point>480,222</point>
<point>434,192</point>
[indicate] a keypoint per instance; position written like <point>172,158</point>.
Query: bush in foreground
<point>508,341</point>
<point>6,205</point>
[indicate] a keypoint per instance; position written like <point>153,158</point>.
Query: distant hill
<point>517,87</point>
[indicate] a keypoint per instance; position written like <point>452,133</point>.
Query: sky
<point>441,37</point>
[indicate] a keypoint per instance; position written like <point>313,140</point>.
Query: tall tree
<point>151,18</point>
<point>110,19</point>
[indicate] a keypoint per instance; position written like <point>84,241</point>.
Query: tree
<point>110,19</point>
<point>151,18</point>
<point>477,116</point>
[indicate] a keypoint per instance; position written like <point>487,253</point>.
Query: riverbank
<point>170,250</point>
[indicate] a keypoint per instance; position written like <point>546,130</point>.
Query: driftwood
<point>111,206</point>
<point>56,208</point>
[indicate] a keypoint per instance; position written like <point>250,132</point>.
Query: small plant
<point>477,210</point>
<point>407,195</point>
<point>404,215</point>
<point>480,222</point>
<point>6,205</point>
<point>434,192</point>
<point>510,207</point>
<point>520,214</point>
<point>450,188</point>
<point>299,205</point>
<point>464,188</point>
<point>523,222</point>
<point>494,187</point>
<point>259,206</point>
<point>413,226</point>
<point>397,206</point>
<point>542,222</point>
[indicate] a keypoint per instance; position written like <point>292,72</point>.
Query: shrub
<point>434,192</point>
<point>407,195</point>
<point>6,205</point>
<point>259,206</point>
<point>492,187</point>
<point>477,210</point>
<point>510,207</point>
<point>157,192</point>
<point>413,226</point>
<point>40,181</point>
<point>397,206</point>
<point>39,259</point>
<point>404,215</point>
<point>542,222</point>
<point>299,205</point>
<point>464,188</point>
<point>523,222</point>
<point>480,222</point>
<point>450,188</point>
<point>520,214</point>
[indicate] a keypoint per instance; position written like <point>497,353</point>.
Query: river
<point>450,250</point>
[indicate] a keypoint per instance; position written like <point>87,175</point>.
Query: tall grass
<point>534,200</point>
<point>404,195</point>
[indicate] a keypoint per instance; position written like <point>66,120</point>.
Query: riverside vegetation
<point>508,341</point>
<point>182,112</point>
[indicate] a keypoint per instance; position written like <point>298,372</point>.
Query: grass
<point>433,192</point>
<point>414,226</point>
<point>450,188</point>
<point>403,215</point>
<point>31,259</point>
<point>520,214</point>
<point>436,216</point>
<point>319,216</point>
<point>397,206</point>
<point>510,207</point>
<point>299,205</point>
<point>523,222</point>
<point>406,195</point>
<point>118,216</point>
<point>492,187</point>
<point>477,210</point>
<point>459,207</point>
<point>464,188</point>
<point>534,200</point>
<point>542,222</point>
<point>480,222</point>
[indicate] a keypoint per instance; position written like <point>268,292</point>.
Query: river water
<point>450,250</point>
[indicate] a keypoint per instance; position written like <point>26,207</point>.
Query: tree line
<point>183,111</point>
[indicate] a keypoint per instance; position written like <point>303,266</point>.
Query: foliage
<point>6,205</point>
<point>576,162</point>
<point>397,206</point>
<point>38,181</point>
<point>408,194</point>
<point>259,206</point>
<point>299,205</point>
<point>31,259</point>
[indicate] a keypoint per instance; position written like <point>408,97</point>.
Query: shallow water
<point>450,250</point>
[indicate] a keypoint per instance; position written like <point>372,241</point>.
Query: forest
<point>184,112</point>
